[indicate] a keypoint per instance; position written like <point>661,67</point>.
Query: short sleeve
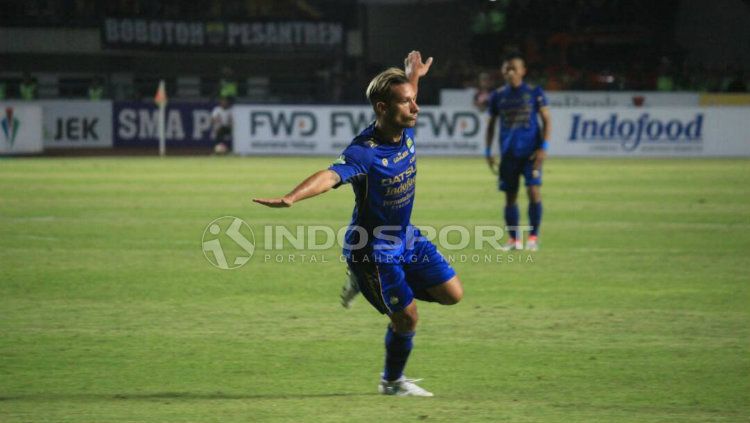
<point>540,99</point>
<point>492,104</point>
<point>354,161</point>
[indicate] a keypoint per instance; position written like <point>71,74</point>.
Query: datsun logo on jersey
<point>631,133</point>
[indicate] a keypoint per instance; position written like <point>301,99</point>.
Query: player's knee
<point>458,296</point>
<point>454,296</point>
<point>405,325</point>
<point>535,194</point>
<point>450,300</point>
<point>405,321</point>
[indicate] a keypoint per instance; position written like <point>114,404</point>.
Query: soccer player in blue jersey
<point>388,260</point>
<point>523,146</point>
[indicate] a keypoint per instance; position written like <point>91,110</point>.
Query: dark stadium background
<point>579,44</point>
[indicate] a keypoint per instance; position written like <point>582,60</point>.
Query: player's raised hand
<point>413,64</point>
<point>273,202</point>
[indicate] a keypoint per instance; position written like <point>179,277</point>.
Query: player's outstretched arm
<point>317,183</point>
<point>415,68</point>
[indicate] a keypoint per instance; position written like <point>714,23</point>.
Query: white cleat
<point>532,244</point>
<point>350,290</point>
<point>403,387</point>
<point>512,244</point>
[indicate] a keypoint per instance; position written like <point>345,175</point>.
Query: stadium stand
<point>569,45</point>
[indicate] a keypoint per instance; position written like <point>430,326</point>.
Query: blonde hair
<point>379,88</point>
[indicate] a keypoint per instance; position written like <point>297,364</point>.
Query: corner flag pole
<point>161,100</point>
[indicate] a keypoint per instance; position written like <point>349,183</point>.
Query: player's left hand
<point>493,165</point>
<point>413,64</point>
<point>538,158</point>
<point>273,202</point>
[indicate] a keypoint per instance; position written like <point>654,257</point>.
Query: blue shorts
<point>390,285</point>
<point>511,169</point>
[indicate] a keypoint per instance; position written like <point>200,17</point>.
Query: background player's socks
<point>422,294</point>
<point>511,219</point>
<point>535,217</point>
<point>397,349</point>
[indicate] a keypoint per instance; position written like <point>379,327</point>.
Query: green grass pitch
<point>637,308</point>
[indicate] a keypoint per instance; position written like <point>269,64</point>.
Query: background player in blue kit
<point>389,261</point>
<point>523,145</point>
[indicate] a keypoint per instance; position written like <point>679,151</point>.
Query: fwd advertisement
<point>328,130</point>
<point>606,132</point>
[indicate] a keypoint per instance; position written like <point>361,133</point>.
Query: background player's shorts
<point>391,286</point>
<point>511,169</point>
<point>224,134</point>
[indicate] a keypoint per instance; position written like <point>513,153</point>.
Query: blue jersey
<point>382,174</point>
<point>518,110</point>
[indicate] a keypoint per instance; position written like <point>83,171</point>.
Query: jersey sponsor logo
<point>399,202</point>
<point>630,133</point>
<point>410,144</point>
<point>400,189</point>
<point>411,170</point>
<point>401,156</point>
<point>516,117</point>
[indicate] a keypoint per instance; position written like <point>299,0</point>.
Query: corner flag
<point>161,100</point>
<point>161,94</point>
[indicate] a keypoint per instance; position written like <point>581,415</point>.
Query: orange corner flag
<point>161,94</point>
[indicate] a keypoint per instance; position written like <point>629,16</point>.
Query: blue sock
<point>535,217</point>
<point>397,349</point>
<point>511,219</point>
